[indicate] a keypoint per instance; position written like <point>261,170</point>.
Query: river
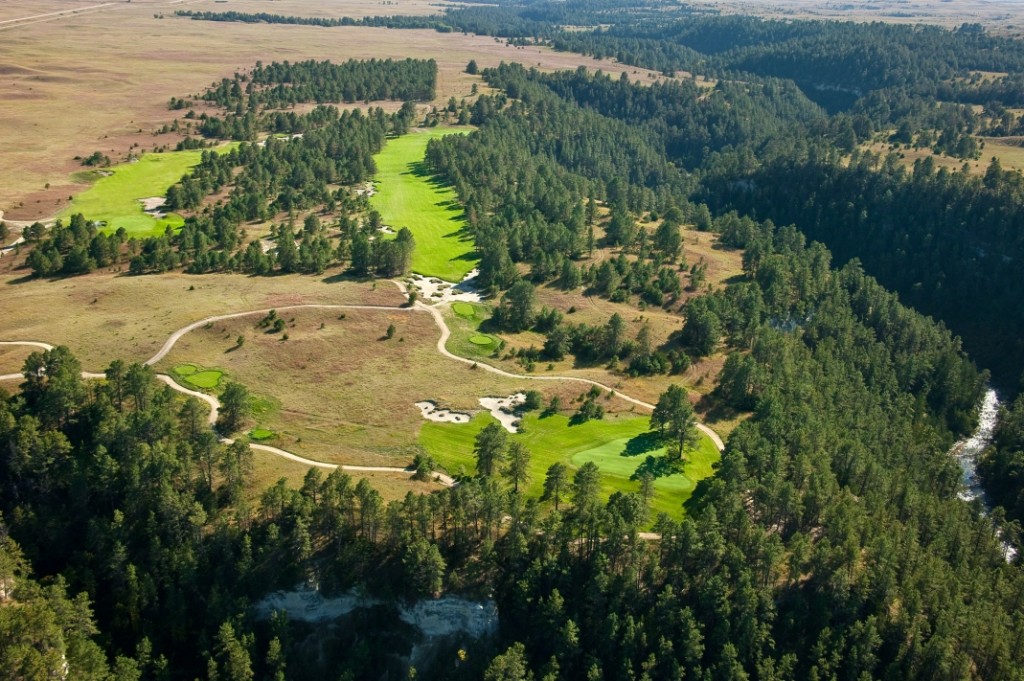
<point>969,449</point>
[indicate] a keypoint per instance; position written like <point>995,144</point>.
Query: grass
<point>339,394</point>
<point>104,316</point>
<point>204,379</point>
<point>464,309</point>
<point>617,445</point>
<point>260,434</point>
<point>408,196</point>
<point>114,198</point>
<point>466,339</point>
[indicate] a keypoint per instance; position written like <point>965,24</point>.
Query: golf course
<point>407,195</point>
<point>115,200</point>
<point>619,447</point>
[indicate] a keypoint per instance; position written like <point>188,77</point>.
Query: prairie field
<point>117,66</point>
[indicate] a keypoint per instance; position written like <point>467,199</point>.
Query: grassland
<point>110,69</point>
<point>617,445</point>
<point>115,198</point>
<point>408,196</point>
<point>105,316</point>
<point>342,394</point>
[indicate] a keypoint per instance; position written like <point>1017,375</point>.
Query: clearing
<point>409,196</point>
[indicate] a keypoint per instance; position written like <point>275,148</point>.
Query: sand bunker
<point>503,409</point>
<point>434,290</point>
<point>430,412</point>
<point>366,190</point>
<point>154,206</point>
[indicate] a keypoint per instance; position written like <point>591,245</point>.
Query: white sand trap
<point>503,409</point>
<point>366,190</point>
<point>438,291</point>
<point>430,412</point>
<point>386,230</point>
<point>154,206</point>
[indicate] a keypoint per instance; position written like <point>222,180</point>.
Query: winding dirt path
<point>442,341</point>
<point>446,333</point>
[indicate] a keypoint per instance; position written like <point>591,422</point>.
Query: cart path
<point>442,341</point>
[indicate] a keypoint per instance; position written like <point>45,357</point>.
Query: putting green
<point>481,340</point>
<point>205,379</point>
<point>186,369</point>
<point>408,196</point>
<point>464,309</point>
<point>115,198</point>
<point>260,434</point>
<point>604,442</point>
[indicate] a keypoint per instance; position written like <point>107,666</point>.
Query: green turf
<point>552,439</point>
<point>114,199</point>
<point>464,309</point>
<point>208,378</point>
<point>260,434</point>
<point>408,196</point>
<point>481,340</point>
<point>185,369</point>
<point>466,327</point>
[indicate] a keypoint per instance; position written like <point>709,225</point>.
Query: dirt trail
<point>52,16</point>
<point>442,341</point>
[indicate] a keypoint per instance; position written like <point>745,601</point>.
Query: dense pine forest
<point>831,543</point>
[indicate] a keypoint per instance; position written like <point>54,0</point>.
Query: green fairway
<point>617,445</point>
<point>408,196</point>
<point>115,198</point>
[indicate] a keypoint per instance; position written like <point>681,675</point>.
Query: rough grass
<point>114,199</point>
<point>408,196</point>
<point>605,442</point>
<point>104,316</point>
<point>341,395</point>
<point>268,469</point>
<point>466,327</point>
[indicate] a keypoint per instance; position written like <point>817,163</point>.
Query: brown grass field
<point>1001,16</point>
<point>343,393</point>
<point>1008,150</point>
<point>105,316</point>
<point>116,68</point>
<point>12,359</point>
<point>267,470</point>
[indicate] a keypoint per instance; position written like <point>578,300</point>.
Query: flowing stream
<point>969,449</point>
